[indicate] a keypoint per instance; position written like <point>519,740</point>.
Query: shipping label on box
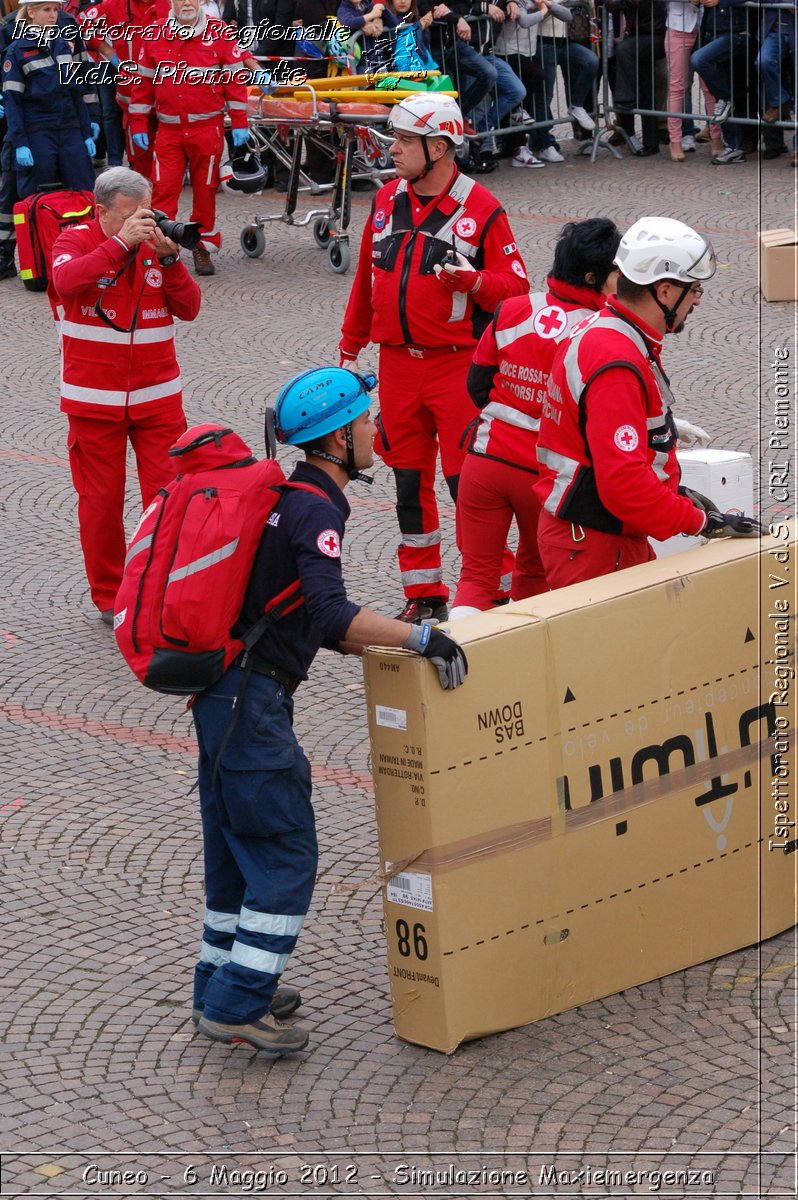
<point>594,808</point>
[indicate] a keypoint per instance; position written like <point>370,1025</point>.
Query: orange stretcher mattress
<point>277,109</point>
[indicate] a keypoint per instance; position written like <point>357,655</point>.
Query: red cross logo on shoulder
<point>626,438</point>
<point>329,543</point>
<point>549,321</point>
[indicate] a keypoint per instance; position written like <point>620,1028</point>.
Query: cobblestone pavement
<point>102,891</point>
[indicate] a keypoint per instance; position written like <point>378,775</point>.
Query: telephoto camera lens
<point>185,233</point>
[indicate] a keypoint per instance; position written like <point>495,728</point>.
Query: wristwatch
<point>169,260</point>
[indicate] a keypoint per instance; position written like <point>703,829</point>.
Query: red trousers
<point>97,451</point>
<point>424,408</point>
<point>571,553</point>
<point>138,159</point>
<point>490,494</point>
<point>201,146</point>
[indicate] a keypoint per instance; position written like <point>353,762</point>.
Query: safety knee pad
<point>408,500</point>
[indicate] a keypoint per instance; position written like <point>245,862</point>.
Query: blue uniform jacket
<point>36,95</point>
<point>301,541</point>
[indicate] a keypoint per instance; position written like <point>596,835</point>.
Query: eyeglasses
<point>697,290</point>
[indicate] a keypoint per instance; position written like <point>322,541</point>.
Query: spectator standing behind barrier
<point>48,122</point>
<point>579,67</point>
<point>373,21</point>
<point>507,382</point>
<point>517,43</point>
<point>115,30</point>
<point>682,22</point>
<point>437,256</point>
<point>411,39</point>
<point>776,62</point>
<point>609,478</point>
<point>636,55</point>
<point>258,825</point>
<point>720,62</point>
<point>118,282</point>
<point>190,114</point>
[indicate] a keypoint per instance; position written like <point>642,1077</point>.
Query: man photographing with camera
<point>117,283</point>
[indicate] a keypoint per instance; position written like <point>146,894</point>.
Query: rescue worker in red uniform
<point>113,29</point>
<point>190,73</point>
<point>118,284</point>
<point>507,381</point>
<point>437,256</point>
<point>609,478</point>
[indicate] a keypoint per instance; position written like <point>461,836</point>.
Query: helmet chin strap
<point>668,313</point>
<point>349,465</point>
<point>428,165</point>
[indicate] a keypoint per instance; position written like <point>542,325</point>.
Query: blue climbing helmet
<point>317,402</point>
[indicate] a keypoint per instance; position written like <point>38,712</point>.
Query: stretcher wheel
<point>253,241</point>
<point>338,257</point>
<point>321,232</point>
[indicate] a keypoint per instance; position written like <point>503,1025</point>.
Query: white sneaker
<point>688,144</point>
<point>582,117</point>
<point>635,144</point>
<point>519,116</point>
<point>550,154</point>
<point>524,157</point>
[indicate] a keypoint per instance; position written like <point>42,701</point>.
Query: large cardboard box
<point>725,476</point>
<point>600,804</point>
<point>778,264</point>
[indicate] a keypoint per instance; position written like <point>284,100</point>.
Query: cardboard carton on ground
<point>595,807</point>
<point>778,264</point>
<point>725,476</point>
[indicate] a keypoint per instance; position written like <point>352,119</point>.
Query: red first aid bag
<point>189,562</point>
<point>38,220</point>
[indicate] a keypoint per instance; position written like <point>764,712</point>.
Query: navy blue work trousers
<point>260,845</point>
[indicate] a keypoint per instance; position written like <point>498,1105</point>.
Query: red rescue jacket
<point>397,300</point>
<point>607,441</point>
<point>510,371</point>
<point>189,80</point>
<point>123,20</point>
<point>105,371</point>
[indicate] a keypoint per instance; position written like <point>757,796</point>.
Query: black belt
<point>261,666</point>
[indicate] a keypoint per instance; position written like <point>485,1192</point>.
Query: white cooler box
<point>726,476</point>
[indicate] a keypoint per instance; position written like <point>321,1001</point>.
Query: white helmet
<point>659,248</point>
<point>428,114</point>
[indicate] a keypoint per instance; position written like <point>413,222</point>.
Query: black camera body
<point>185,233</point>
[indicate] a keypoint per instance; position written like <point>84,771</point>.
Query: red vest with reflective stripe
<point>522,339</point>
<point>567,485</point>
<point>410,306</point>
<point>105,372</point>
<point>198,78</point>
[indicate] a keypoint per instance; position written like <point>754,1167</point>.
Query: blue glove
<point>91,146</point>
<point>263,80</point>
<point>2,109</point>
<point>24,157</point>
<point>240,137</point>
<point>114,60</point>
<point>95,131</point>
<point>142,140</point>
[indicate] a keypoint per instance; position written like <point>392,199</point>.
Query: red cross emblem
<point>549,321</point>
<point>626,438</point>
<point>329,543</point>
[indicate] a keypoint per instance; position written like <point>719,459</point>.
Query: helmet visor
<point>705,265</point>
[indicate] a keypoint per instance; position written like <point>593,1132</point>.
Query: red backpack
<point>189,562</point>
<point>38,221</point>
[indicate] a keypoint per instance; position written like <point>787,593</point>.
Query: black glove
<point>701,502</point>
<point>731,525</point>
<point>445,654</point>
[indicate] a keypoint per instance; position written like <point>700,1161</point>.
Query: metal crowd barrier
<point>553,77</point>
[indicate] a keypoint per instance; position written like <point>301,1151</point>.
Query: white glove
<point>691,435</point>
